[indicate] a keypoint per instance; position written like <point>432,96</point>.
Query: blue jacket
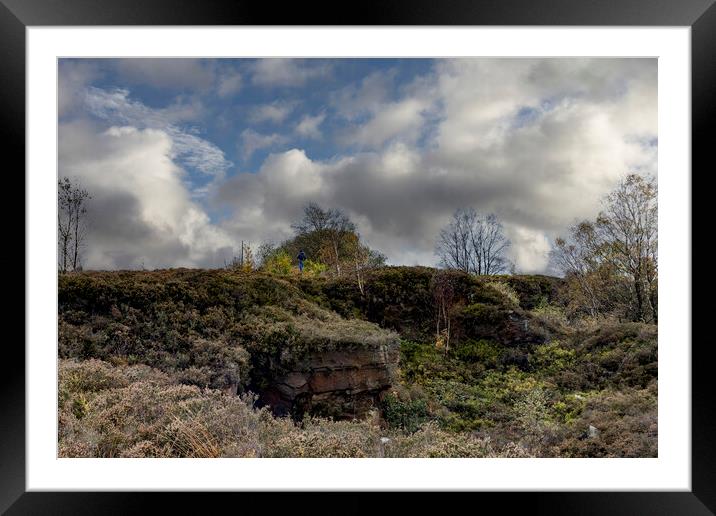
<point>301,256</point>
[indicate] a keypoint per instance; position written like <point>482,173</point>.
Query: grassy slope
<point>517,381</point>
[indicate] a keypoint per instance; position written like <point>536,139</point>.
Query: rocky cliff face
<point>342,383</point>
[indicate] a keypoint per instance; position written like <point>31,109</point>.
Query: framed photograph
<point>408,251</point>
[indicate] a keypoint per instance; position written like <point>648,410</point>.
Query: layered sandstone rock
<point>343,383</point>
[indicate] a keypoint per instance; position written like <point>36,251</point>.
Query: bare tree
<point>454,246</point>
<point>489,245</point>
<point>473,243</point>
<point>71,223</point>
<point>362,259</point>
<point>442,286</point>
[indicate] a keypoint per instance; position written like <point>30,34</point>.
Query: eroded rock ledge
<point>343,383</point>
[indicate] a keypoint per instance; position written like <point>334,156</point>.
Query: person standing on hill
<point>301,257</point>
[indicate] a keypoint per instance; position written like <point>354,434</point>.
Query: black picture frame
<point>17,15</point>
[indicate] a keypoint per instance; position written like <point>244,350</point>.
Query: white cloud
<point>365,97</point>
<point>229,84</point>
<point>287,72</point>
<point>558,162</point>
<point>537,143</point>
<point>73,77</point>
<point>117,108</point>
<point>168,73</point>
<point>309,125</point>
<point>275,112</point>
<point>376,119</point>
<point>401,119</point>
<point>251,141</point>
<point>140,212</point>
<point>529,249</point>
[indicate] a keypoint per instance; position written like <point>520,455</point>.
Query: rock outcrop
<point>343,383</point>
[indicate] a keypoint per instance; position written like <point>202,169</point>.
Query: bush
<point>431,442</point>
<point>626,422</point>
<point>312,268</point>
<point>535,289</point>
<point>483,351</point>
<point>405,415</point>
<point>552,358</point>
<point>324,438</point>
<point>508,294</point>
<point>554,314</point>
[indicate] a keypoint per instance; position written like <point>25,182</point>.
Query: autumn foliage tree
<point>611,263</point>
<point>331,242</point>
<point>324,233</point>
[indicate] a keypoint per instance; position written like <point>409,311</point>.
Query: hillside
<point>208,362</point>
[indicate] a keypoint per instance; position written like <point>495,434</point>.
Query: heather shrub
<point>617,355</point>
<point>432,442</point>
<point>533,290</point>
<point>227,362</point>
<point>206,328</point>
<point>626,423</point>
<point>324,438</point>
<point>509,296</point>
<point>147,419</point>
<point>554,314</point>
<point>552,358</point>
<point>89,376</point>
<point>482,351</point>
<point>151,364</point>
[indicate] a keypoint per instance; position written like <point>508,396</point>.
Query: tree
<point>363,258</point>
<point>325,232</point>
<point>245,261</point>
<point>265,251</point>
<point>71,223</point>
<point>473,243</point>
<point>613,261</point>
<point>453,245</point>
<point>579,257</point>
<point>489,246</point>
<point>629,224</point>
<point>332,243</point>
<point>442,286</point>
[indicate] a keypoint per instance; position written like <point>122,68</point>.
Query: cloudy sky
<point>185,158</point>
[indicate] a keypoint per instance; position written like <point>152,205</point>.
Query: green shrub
<point>404,415</point>
<point>552,358</point>
<point>313,268</point>
<point>483,351</point>
<point>279,263</point>
<point>509,296</point>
